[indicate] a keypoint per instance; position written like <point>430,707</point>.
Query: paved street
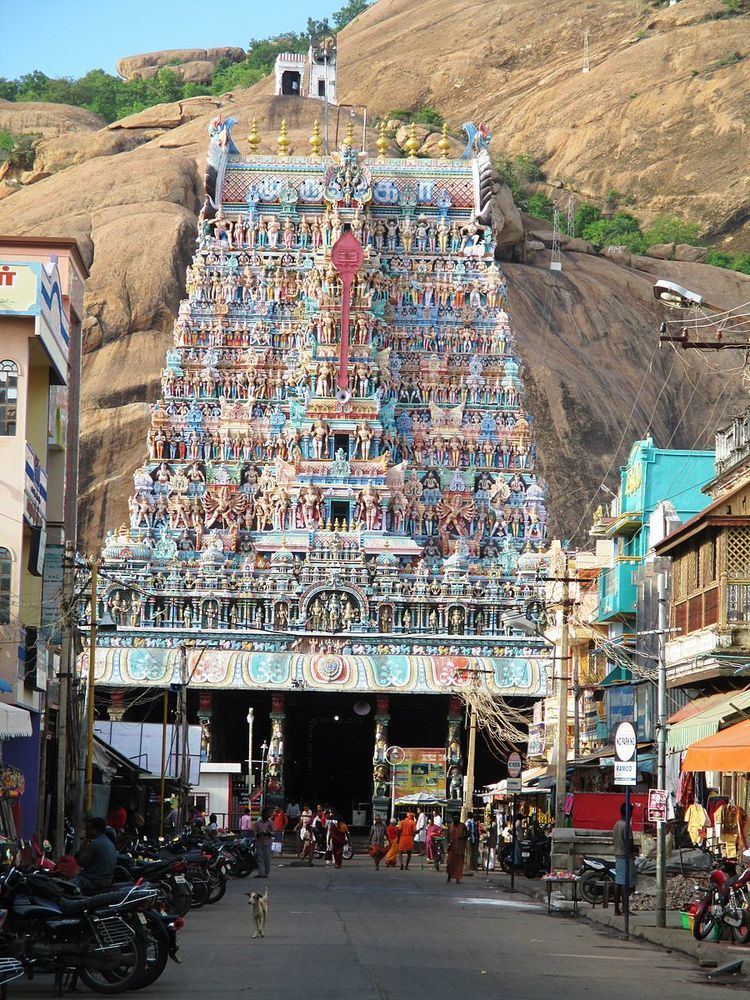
<point>362,935</point>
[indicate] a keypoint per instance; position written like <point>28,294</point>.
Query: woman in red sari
<point>458,836</point>
<point>391,832</point>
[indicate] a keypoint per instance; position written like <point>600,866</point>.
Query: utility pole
<point>162,782</point>
<point>576,708</point>
<point>468,803</point>
<point>89,800</point>
<point>67,659</point>
<point>555,263</point>
<point>562,710</point>
<point>661,747</point>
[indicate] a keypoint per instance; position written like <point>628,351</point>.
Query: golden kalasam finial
<point>349,141</point>
<point>283,141</point>
<point>316,143</point>
<point>382,142</point>
<point>412,143</point>
<point>444,144</point>
<point>254,138</point>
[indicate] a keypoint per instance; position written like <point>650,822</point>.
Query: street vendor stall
<point>725,759</point>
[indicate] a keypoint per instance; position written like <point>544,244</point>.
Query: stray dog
<point>258,911</point>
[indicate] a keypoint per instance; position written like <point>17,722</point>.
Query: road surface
<point>357,934</point>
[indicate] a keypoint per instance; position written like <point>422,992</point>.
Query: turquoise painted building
<point>638,517</point>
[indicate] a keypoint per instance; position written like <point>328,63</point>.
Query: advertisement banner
<point>422,770</point>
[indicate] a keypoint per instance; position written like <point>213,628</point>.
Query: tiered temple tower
<point>340,489</point>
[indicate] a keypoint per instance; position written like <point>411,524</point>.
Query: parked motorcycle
<point>103,938</point>
<point>591,872</point>
<point>536,852</point>
<point>725,902</point>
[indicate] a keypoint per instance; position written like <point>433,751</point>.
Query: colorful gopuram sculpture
<point>340,488</point>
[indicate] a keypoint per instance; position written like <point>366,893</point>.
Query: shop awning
<point>617,675</point>
<point>708,722</point>
<point>529,778</point>
<point>14,722</point>
<point>728,750</point>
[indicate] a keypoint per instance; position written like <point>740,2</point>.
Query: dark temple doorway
<point>329,750</point>
<point>291,82</point>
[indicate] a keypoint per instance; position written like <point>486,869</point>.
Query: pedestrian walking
<point>432,832</point>
<point>263,840</point>
<point>407,830</point>
<point>378,839</point>
<point>302,829</point>
<point>472,844</point>
<point>392,835</point>
<point>624,853</point>
<point>307,844</point>
<point>490,844</point>
<point>458,837</point>
<point>278,822</point>
<point>246,822</point>
<point>338,835</point>
<point>421,831</point>
<point>330,822</point>
<point>318,829</point>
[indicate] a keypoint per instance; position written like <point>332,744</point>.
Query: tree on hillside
<point>669,229</point>
<point>349,11</point>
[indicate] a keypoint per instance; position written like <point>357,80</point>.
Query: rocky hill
<point>661,116</point>
<point>191,65</point>
<point>130,194</point>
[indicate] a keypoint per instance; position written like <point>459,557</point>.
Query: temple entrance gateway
<point>339,496</point>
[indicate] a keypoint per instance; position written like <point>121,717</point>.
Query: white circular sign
<point>515,765</point>
<point>625,741</point>
<point>395,755</point>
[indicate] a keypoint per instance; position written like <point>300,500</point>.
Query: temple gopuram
<point>339,496</point>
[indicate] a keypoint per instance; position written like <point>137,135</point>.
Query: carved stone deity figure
<point>135,610</point>
<point>381,742</point>
<point>368,508</point>
<point>309,501</point>
<point>319,436</point>
<point>455,782</point>
<point>363,436</point>
<point>380,782</point>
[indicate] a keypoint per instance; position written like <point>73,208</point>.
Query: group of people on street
<point>394,842</point>
<point>323,831</point>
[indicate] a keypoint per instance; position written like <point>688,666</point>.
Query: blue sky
<point>70,37</point>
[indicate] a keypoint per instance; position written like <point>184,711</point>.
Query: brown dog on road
<point>258,911</point>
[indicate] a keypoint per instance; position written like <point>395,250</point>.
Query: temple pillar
<point>274,790</point>
<point>205,715</point>
<point>454,758</point>
<point>381,772</point>
<point>116,707</point>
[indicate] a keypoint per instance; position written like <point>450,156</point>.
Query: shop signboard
<point>536,743</point>
<point>515,765</point>
<point>657,805</point>
<point>512,785</point>
<point>626,763</point>
<point>422,770</point>
<point>52,588</point>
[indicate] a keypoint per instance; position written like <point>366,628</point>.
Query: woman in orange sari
<point>407,829</point>
<point>458,836</point>
<point>391,832</point>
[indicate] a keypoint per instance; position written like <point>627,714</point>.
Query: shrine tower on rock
<point>339,494</point>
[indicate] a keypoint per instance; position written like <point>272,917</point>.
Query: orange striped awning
<point>727,750</point>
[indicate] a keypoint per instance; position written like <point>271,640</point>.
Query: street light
<point>263,752</point>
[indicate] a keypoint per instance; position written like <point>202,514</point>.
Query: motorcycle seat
<point>97,902</point>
